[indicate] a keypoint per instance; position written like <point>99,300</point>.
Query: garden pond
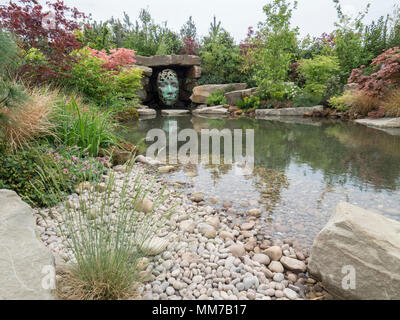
<point>303,169</point>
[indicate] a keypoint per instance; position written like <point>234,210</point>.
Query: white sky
<point>312,16</point>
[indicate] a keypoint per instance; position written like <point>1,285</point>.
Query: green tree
<point>189,30</point>
<point>10,93</point>
<point>277,51</point>
<point>221,59</point>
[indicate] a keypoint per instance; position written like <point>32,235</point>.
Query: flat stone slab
<point>147,112</point>
<point>23,257</point>
<point>168,60</point>
<point>218,110</point>
<point>174,112</point>
<point>298,112</point>
<point>386,123</point>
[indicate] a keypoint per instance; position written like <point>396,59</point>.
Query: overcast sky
<point>312,16</point>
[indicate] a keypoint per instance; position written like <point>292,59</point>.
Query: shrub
<point>306,99</point>
<point>42,176</point>
<point>342,103</point>
<point>90,130</point>
<point>108,248</point>
<point>392,104</point>
<point>386,74</point>
<point>127,82</point>
<point>54,39</point>
<point>252,102</point>
<point>30,120</point>
<point>317,72</point>
<point>216,98</point>
<point>276,54</point>
<point>90,78</point>
<point>116,58</point>
<point>10,93</point>
<point>220,59</point>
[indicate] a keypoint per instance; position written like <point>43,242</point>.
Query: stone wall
<point>186,66</point>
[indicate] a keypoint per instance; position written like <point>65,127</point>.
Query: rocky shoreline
<point>200,253</point>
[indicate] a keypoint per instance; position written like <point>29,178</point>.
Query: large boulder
<point>357,255</point>
<point>26,265</point>
<point>201,93</point>
<point>168,60</point>
<point>234,97</point>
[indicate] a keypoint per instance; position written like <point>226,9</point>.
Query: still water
<point>303,169</point>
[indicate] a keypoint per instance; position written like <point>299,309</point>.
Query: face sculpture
<point>168,87</point>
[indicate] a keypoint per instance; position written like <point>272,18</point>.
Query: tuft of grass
<point>29,121</point>
<point>86,128</point>
<point>363,104</point>
<point>392,104</point>
<point>108,237</point>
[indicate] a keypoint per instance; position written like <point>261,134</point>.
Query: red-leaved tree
<point>386,74</point>
<point>116,59</point>
<point>48,30</point>
<point>189,46</point>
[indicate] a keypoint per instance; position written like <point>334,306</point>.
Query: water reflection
<point>303,168</point>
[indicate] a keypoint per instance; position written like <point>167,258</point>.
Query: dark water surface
<point>303,169</point>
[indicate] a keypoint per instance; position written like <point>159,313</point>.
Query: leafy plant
<point>90,130</point>
<point>90,78</point>
<point>216,98</point>
<point>42,175</point>
<point>128,82</point>
<point>306,99</point>
<point>386,74</point>
<point>252,102</point>
<point>220,59</point>
<point>277,51</point>
<point>10,93</point>
<point>342,103</point>
<point>51,32</point>
<point>317,72</point>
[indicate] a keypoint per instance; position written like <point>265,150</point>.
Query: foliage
<point>10,93</point>
<point>97,35</point>
<point>349,42</point>
<point>115,59</point>
<point>220,59</point>
<point>89,77</point>
<point>392,103</point>
<point>317,72</point>
<point>363,104</point>
<point>146,37</point>
<point>90,130</point>
<point>276,54</point>
<point>189,30</point>
<point>127,82</point>
<point>51,32</point>
<point>342,103</point>
<point>386,74</point>
<point>252,102</point>
<point>189,46</point>
<point>216,98</point>
<point>306,99</point>
<point>30,120</point>
<point>108,248</point>
<point>62,168</point>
